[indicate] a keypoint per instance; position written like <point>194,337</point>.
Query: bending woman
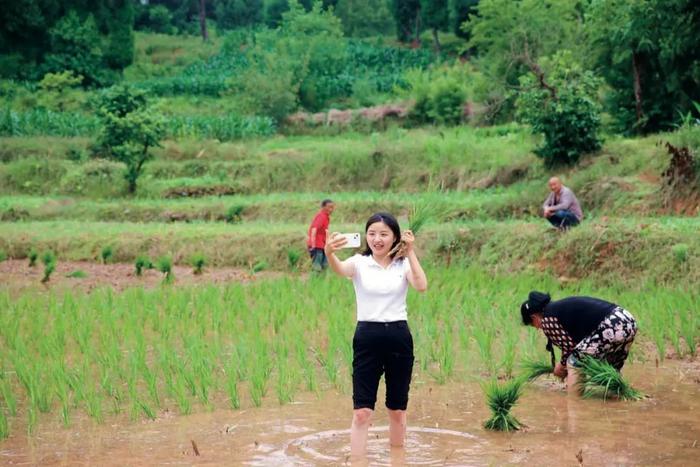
<point>382,343</point>
<point>581,326</point>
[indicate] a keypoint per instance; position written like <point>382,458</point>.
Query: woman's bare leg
<point>572,385</point>
<point>358,432</point>
<point>397,427</point>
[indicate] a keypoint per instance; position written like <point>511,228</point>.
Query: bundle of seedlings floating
<point>534,368</point>
<point>598,377</point>
<point>501,398</point>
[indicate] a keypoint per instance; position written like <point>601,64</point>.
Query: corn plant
<point>600,377</point>
<point>501,398</point>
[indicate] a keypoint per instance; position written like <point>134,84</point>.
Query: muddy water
<point>444,429</point>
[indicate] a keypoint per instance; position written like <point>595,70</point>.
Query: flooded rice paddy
<point>445,428</point>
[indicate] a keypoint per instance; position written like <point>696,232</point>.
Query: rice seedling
<point>77,274</point>
<point>8,396</point>
<point>165,265</point>
<point>198,262</point>
<point>3,256</point>
<point>293,257</point>
<point>534,368</point>
<point>600,377</point>
<point>142,263</point>
<point>4,426</point>
<point>49,260</point>
<point>33,255</point>
<point>689,330</point>
<point>418,215</point>
<point>234,214</point>
<point>260,266</point>
<point>501,398</point>
<point>106,254</point>
<point>232,385</point>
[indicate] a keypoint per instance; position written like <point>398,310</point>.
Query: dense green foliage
<point>129,130</point>
<point>92,39</point>
<point>565,111</point>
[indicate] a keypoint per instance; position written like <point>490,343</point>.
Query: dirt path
<point>17,275</point>
<point>445,428</point>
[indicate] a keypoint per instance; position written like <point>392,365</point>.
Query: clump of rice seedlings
<point>165,265</point>
<point>49,260</point>
<point>3,256</point>
<point>599,376</point>
<point>501,398</point>
<point>234,214</point>
<point>142,263</point>
<point>534,368</point>
<point>418,215</point>
<point>33,255</point>
<point>106,254</point>
<point>198,262</point>
<point>293,257</point>
<point>77,274</point>
<point>260,266</point>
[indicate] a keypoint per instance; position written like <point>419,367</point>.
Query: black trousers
<point>382,348</point>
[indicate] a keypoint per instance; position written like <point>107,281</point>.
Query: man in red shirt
<point>316,239</point>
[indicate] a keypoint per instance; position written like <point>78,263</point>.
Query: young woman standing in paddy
<point>382,343</point>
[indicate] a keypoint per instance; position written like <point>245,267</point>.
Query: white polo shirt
<point>380,293</point>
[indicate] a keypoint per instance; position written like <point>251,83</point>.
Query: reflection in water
<point>444,429</point>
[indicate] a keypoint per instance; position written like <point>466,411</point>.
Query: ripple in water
<point>424,446</point>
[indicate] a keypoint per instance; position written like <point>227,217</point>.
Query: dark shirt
<point>568,321</point>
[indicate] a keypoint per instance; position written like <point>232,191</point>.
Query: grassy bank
<point>632,250</point>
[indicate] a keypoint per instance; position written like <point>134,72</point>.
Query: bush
<point>568,117</point>
<point>439,94</point>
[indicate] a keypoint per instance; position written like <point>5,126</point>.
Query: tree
<point>129,130</point>
<point>362,18</point>
<point>75,46</point>
<point>461,11</point>
<point>647,51</point>
<point>56,84</point>
<point>559,100</point>
<point>231,14</point>
<point>119,52</point>
<point>435,15</point>
<point>203,19</point>
<point>408,20</point>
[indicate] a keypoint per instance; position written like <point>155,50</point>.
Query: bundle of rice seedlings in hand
<point>533,368</point>
<point>599,376</point>
<point>501,398</point>
<point>418,215</point>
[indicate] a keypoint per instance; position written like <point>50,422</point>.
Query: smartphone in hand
<point>353,240</point>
